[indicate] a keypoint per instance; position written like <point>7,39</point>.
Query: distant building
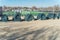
<point>41,9</point>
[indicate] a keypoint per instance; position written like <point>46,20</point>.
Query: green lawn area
<point>10,13</point>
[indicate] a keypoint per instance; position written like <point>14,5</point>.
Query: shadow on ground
<point>41,34</point>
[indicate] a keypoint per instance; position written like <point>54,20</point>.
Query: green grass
<point>35,13</point>
<point>9,13</point>
<point>25,12</point>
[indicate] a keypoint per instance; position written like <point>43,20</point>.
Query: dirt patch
<point>33,30</point>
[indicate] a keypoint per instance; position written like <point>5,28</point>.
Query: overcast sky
<point>29,3</point>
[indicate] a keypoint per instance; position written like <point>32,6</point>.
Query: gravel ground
<point>33,30</point>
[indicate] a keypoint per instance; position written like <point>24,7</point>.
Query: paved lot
<point>33,30</point>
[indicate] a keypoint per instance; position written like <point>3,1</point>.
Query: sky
<point>29,3</point>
